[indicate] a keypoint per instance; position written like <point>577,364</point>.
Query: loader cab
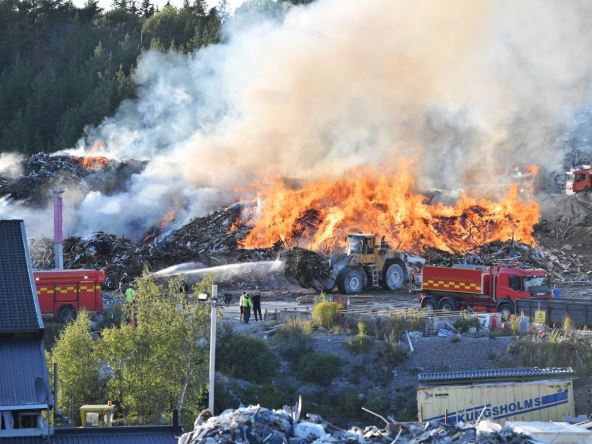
<point>362,247</point>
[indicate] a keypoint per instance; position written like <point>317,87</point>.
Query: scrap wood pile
<point>208,240</point>
<point>255,424</point>
<point>562,264</point>
<point>308,268</point>
<point>42,174</point>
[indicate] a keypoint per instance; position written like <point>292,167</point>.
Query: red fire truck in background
<point>62,293</point>
<point>480,288</point>
<point>578,179</point>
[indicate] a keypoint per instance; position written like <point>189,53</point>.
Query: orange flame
<point>320,214</point>
<point>168,217</point>
<point>93,162</point>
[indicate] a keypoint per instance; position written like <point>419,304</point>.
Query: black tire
<point>66,314</point>
<point>447,304</point>
<point>506,311</point>
<point>393,276</point>
<point>429,304</point>
<point>352,280</point>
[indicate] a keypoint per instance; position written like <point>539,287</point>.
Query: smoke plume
<point>448,87</point>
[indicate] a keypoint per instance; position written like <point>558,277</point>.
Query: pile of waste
<point>43,174</point>
<point>255,424</point>
<point>207,240</point>
<point>306,267</point>
<point>563,265</point>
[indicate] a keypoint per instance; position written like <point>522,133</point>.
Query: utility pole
<point>213,300</point>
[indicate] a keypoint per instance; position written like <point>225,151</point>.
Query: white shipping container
<point>548,400</point>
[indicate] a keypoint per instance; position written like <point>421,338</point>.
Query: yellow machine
<point>368,265</point>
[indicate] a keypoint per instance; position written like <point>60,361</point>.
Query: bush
<point>113,316</point>
<point>391,351</point>
<point>245,356</point>
<point>396,324</point>
<point>359,343</point>
<point>464,323</point>
<point>349,404</point>
<point>269,395</point>
<point>559,350</point>
<point>294,340</point>
<point>568,324</point>
<point>320,368</point>
<point>327,314</point>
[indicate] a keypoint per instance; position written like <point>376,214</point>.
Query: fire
<point>320,214</point>
<point>167,219</point>
<point>93,162</point>
<point>155,232</point>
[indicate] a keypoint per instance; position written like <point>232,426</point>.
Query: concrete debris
<point>255,424</point>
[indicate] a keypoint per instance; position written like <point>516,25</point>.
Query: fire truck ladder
<point>374,274</point>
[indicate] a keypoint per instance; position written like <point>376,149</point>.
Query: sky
<point>106,4</point>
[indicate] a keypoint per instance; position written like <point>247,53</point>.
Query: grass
<point>559,349</point>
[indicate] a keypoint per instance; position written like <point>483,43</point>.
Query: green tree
<point>162,362</point>
<point>78,367</point>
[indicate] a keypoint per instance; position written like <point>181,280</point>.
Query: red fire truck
<point>578,180</point>
<point>480,288</point>
<point>63,293</point>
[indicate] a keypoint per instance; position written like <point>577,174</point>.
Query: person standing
<point>248,304</point>
<point>241,304</point>
<point>256,299</point>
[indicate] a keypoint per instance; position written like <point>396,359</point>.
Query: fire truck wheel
<point>447,304</point>
<point>66,314</point>
<point>428,304</point>
<point>352,280</point>
<point>506,311</point>
<point>394,277</point>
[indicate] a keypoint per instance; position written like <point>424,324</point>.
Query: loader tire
<point>352,280</point>
<point>393,277</point>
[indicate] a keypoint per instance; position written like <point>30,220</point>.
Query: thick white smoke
<point>452,85</point>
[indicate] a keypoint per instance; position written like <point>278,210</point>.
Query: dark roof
<point>530,373</point>
<point>23,372</point>
<point>19,309</point>
<point>107,435</point>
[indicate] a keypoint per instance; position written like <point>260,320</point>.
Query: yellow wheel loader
<point>367,264</point>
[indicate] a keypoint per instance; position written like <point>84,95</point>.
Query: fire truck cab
<point>578,180</point>
<point>63,293</point>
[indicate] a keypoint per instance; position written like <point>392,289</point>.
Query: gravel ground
<point>434,354</point>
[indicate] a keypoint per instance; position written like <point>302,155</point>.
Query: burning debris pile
<point>319,214</point>
<point>255,424</point>
<point>563,265</point>
<point>208,240</point>
<point>42,174</point>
